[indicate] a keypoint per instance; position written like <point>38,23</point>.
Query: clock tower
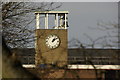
<point>51,41</point>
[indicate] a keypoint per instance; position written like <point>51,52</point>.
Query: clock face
<point>52,41</point>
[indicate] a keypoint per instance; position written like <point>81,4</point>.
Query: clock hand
<point>54,39</point>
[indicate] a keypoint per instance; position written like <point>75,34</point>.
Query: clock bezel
<point>52,47</point>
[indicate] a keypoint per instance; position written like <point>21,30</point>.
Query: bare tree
<point>17,32</point>
<point>17,18</point>
<point>108,40</point>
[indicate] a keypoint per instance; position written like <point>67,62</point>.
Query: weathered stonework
<point>45,55</point>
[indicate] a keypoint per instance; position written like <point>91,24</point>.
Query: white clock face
<point>52,41</point>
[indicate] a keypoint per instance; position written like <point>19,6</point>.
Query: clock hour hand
<point>54,39</point>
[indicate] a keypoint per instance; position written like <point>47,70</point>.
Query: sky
<point>84,17</point>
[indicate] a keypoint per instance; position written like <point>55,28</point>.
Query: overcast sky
<point>84,15</point>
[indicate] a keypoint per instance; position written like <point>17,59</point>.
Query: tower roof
<point>52,12</point>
